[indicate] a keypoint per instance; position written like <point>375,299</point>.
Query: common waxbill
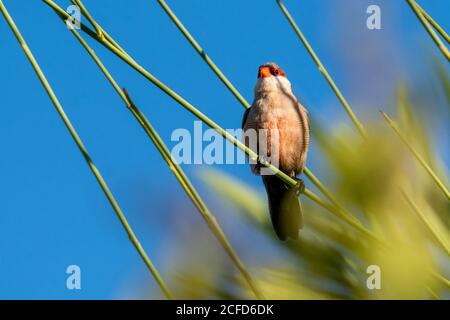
<point>277,112</point>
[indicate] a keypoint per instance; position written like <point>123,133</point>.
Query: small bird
<point>277,111</point>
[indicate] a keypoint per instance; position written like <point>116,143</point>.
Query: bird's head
<point>271,77</point>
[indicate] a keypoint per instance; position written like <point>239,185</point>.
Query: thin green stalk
<point>440,278</point>
<point>429,29</point>
<point>84,151</point>
<point>174,167</point>
<point>322,69</point>
<point>346,215</point>
<point>419,158</point>
<point>86,13</point>
<point>203,54</point>
<point>209,218</point>
<point>434,24</point>
<point>441,240</point>
<point>251,154</point>
<point>343,212</point>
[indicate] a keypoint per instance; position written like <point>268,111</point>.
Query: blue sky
<point>53,213</point>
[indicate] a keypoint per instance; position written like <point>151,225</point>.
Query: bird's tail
<point>284,206</point>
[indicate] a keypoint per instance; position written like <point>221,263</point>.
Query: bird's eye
<point>275,72</point>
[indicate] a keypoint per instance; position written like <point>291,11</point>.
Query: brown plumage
<point>278,114</point>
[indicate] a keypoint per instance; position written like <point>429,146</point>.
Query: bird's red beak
<point>264,72</point>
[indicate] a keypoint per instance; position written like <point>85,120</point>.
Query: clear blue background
<point>52,211</point>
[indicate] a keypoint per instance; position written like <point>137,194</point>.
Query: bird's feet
<point>299,188</point>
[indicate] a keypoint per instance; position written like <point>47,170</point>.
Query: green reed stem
<point>251,154</point>
<point>322,70</point>
<point>429,29</point>
<point>84,151</point>
<point>335,89</point>
<point>433,230</point>
<point>100,32</point>
<point>174,167</point>
<point>416,154</point>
